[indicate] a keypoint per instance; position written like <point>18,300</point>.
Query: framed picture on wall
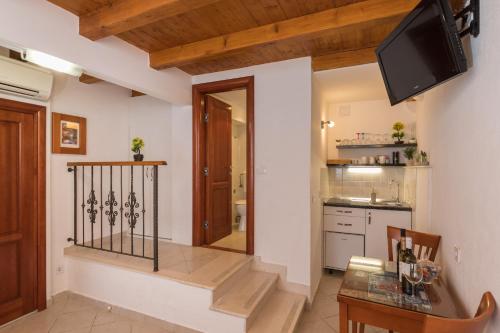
<point>69,134</point>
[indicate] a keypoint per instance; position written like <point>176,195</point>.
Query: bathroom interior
<point>237,239</point>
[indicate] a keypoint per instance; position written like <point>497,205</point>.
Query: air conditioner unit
<point>20,79</point>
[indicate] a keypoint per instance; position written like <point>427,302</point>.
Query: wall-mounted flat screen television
<point>422,52</point>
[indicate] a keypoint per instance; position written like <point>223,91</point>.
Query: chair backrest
<point>423,244</point>
<point>475,325</point>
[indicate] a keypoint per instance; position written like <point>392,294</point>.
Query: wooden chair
<point>475,325</point>
<point>423,245</point>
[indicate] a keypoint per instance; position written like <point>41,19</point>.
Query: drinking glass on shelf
<point>387,138</point>
<point>414,276</point>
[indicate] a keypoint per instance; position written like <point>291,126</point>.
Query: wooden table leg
<point>343,319</point>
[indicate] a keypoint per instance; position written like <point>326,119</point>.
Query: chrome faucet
<point>393,181</point>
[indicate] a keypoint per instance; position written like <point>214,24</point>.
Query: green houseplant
<point>410,154</point>
<point>137,145</point>
<point>398,134</point>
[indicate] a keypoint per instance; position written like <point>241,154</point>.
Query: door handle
<point>339,211</point>
<point>348,224</point>
<point>369,219</point>
<point>348,211</point>
<point>340,223</point>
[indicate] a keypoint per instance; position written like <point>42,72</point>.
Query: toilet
<point>241,209</point>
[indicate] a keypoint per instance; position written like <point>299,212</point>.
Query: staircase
<point>215,291</point>
<point>253,296</point>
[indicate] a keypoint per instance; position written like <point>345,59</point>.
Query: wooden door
<point>18,214</point>
<point>218,179</point>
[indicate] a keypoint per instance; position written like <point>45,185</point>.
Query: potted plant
<point>137,145</point>
<point>398,134</point>
<point>409,154</point>
<point>423,158</point>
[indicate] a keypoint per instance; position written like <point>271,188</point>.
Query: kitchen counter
<point>361,204</point>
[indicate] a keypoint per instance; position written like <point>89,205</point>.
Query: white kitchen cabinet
<point>339,248</point>
<point>377,221</point>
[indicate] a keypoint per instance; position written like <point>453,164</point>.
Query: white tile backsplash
<point>344,184</point>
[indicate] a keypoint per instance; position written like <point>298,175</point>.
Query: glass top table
<point>370,290</point>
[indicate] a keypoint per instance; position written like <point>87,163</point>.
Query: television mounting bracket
<point>469,14</point>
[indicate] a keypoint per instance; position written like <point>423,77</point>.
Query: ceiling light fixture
<point>51,62</point>
<point>329,123</point>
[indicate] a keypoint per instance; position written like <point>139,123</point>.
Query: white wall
<point>459,124</point>
<point>45,27</point>
<point>282,160</point>
<point>371,116</point>
<point>113,118</point>
<point>318,172</point>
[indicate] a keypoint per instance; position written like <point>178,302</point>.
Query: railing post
<point>75,204</point>
<point>155,217</point>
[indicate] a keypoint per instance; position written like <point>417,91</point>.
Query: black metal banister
<point>129,205</point>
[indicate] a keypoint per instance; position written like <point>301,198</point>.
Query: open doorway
<point>223,165</point>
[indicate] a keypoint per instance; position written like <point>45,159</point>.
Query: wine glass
<point>415,275</point>
<point>430,270</point>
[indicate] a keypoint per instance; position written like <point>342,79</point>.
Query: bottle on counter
<point>407,259</point>
<point>395,157</point>
<point>400,248</point>
<point>373,196</point>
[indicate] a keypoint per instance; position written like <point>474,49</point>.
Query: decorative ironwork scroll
<point>132,205</point>
<point>111,203</point>
<point>92,211</point>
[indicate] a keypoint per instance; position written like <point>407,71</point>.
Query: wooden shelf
<point>118,163</point>
<point>364,165</point>
<point>389,145</point>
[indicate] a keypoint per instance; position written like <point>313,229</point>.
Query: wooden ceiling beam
<point>344,59</point>
<point>135,93</point>
<point>126,15</point>
<point>88,79</point>
<point>301,27</point>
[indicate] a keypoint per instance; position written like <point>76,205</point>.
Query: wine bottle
<point>408,258</point>
<point>400,249</point>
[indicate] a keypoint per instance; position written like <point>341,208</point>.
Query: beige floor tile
<point>316,327</point>
<point>74,320</point>
<point>116,327</point>
<point>191,265</point>
<point>236,240</point>
<point>333,322</point>
<point>149,328</point>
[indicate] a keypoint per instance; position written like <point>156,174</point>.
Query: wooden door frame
<point>39,113</point>
<point>199,90</point>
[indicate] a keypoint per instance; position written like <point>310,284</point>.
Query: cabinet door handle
<point>339,211</point>
<point>348,224</point>
<point>340,223</point>
<point>348,211</point>
<point>344,239</point>
<point>369,219</point>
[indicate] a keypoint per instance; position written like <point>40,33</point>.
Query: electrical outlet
<point>457,252</point>
<point>60,269</point>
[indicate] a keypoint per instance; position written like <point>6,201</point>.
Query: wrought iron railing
<point>112,215</point>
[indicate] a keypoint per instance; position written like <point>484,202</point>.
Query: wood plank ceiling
<point>203,36</point>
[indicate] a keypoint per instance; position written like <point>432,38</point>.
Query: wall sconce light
<point>329,123</point>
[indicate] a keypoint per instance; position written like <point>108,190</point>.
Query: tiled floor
<point>198,266</point>
<point>323,317</point>
<point>237,240</point>
<point>70,313</point>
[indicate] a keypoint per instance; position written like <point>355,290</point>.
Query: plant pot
<point>399,142</point>
<point>410,162</point>
<point>138,157</point>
